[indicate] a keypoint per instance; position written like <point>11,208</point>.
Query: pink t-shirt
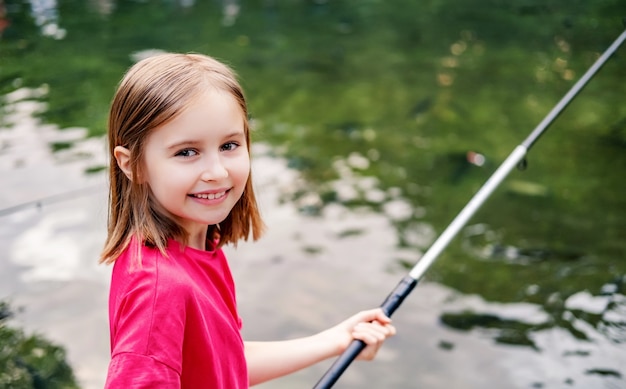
<point>174,321</point>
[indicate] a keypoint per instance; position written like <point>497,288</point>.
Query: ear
<point>122,156</point>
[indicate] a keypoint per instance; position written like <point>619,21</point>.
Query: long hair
<point>153,92</point>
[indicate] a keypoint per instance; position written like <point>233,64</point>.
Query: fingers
<point>372,327</point>
<point>373,333</point>
<point>375,314</point>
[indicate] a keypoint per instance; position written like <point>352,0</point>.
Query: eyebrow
<point>188,143</point>
<point>184,143</point>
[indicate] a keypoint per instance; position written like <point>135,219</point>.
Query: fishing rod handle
<point>340,365</point>
<point>389,306</point>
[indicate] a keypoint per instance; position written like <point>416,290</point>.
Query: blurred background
<point>374,124</point>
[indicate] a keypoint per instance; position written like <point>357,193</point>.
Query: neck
<point>197,238</point>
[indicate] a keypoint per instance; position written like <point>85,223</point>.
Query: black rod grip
<point>397,296</point>
<point>340,365</point>
<point>389,306</point>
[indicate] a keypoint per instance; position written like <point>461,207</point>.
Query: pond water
<point>375,122</point>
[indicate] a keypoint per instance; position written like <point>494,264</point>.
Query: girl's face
<point>197,164</point>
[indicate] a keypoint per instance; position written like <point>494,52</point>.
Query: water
<point>375,123</point>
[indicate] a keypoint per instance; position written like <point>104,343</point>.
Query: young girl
<point>181,189</point>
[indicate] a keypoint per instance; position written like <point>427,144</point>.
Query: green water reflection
<point>404,90</point>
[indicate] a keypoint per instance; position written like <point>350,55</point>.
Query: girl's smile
<point>210,196</point>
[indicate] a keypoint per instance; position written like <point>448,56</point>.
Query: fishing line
<point>516,158</point>
<point>59,198</point>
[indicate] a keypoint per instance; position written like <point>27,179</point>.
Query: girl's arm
<point>269,360</point>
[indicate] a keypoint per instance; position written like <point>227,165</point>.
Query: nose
<point>214,169</point>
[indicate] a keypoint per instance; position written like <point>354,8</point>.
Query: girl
<point>180,189</point>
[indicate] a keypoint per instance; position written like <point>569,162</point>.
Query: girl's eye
<point>230,146</point>
<point>186,153</point>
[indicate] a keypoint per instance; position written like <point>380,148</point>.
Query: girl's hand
<point>372,327</point>
<point>269,360</point>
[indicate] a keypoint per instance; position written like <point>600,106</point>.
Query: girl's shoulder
<point>149,268</point>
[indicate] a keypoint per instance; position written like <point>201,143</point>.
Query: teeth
<point>210,196</point>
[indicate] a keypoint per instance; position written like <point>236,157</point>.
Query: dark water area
<point>402,108</point>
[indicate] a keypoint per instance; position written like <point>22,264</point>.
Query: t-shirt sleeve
<point>134,371</point>
<point>148,324</point>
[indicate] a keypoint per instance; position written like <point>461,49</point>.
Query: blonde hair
<point>154,91</point>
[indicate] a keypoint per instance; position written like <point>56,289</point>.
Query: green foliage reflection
<point>30,362</point>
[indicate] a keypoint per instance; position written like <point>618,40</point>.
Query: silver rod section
<point>459,221</point>
<point>580,84</point>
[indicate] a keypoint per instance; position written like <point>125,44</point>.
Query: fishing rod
<point>406,285</point>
